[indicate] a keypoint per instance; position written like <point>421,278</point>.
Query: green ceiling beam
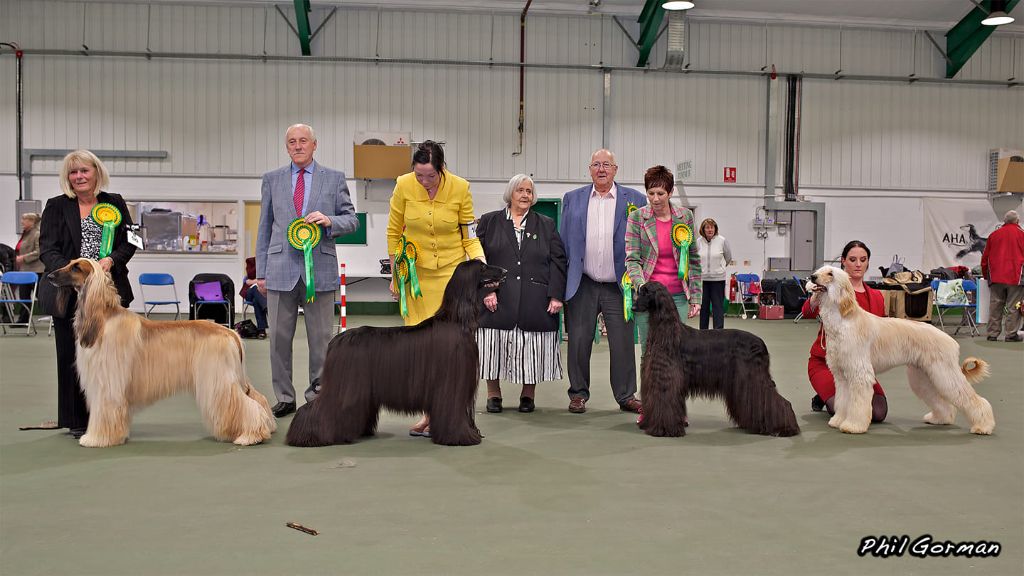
<point>302,24</point>
<point>650,20</point>
<point>964,39</point>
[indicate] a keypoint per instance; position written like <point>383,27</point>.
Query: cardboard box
<point>1009,176</point>
<point>383,162</point>
<point>770,312</point>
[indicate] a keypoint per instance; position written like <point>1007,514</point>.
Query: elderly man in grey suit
<point>319,196</point>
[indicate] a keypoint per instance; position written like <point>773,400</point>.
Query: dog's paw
<point>835,421</point>
<point>94,441</point>
<point>249,439</point>
<point>932,418</point>
<point>983,429</point>
<point>850,428</point>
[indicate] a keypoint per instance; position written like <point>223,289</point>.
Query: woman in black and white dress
<point>518,337</point>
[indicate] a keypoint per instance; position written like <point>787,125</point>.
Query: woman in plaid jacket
<point>656,236</point>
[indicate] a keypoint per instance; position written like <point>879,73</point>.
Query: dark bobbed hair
<point>430,152</point>
<point>659,177</point>
<point>855,244</point>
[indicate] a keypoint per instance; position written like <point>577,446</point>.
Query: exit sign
<point>729,174</point>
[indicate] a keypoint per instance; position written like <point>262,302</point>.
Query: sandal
<point>423,432</point>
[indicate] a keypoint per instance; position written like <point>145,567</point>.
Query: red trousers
<point>822,380</point>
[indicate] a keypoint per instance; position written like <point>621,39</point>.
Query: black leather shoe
<point>992,338</point>
<point>526,404</point>
<point>77,433</point>
<point>817,404</point>
<point>283,409</point>
<point>494,405</point>
<point>1013,338</point>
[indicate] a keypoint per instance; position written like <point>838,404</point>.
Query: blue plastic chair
<point>744,282</point>
<point>10,282</point>
<point>968,310</point>
<point>159,279</point>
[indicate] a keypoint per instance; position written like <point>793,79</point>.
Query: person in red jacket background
<point>855,260</point>
<point>1002,264</point>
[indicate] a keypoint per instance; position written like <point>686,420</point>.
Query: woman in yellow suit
<point>433,209</point>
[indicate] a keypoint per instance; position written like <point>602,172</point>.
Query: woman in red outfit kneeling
<point>855,262</point>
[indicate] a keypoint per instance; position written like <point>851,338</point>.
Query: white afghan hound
<point>126,362</point>
<point>859,344</point>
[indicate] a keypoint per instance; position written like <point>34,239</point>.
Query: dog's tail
<point>975,369</point>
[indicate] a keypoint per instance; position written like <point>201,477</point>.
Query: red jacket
<point>1003,258</point>
<point>876,305</point>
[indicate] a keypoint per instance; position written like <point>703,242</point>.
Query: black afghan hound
<point>431,367</point>
<point>681,362</point>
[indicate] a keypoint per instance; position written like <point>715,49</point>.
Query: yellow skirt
<point>432,284</point>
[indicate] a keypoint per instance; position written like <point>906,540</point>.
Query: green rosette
<point>409,251</point>
<point>627,297</point>
<point>107,216</point>
<point>305,236</point>
<point>401,275</point>
<point>682,237</point>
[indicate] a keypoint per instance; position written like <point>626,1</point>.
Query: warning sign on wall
<point>729,174</point>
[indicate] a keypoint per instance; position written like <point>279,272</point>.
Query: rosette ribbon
<point>305,236</point>
<point>107,216</point>
<point>627,297</point>
<point>405,272</point>
<point>682,237</point>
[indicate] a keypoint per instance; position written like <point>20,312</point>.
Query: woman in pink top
<point>656,236</point>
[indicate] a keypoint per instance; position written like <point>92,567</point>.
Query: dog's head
<point>652,296</point>
<point>471,282</point>
<point>69,279</point>
<point>831,285</point>
<point>74,275</point>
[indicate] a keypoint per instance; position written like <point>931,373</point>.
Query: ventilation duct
<point>675,57</point>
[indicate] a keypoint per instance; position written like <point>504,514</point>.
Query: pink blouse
<point>666,269</point>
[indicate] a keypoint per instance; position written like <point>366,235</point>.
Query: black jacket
<point>536,272</point>
<point>60,242</point>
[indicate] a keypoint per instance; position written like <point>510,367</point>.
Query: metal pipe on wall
<point>522,78</point>
<point>20,113</point>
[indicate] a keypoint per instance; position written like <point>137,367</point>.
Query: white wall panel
<point>712,121</point>
<point>923,136</point>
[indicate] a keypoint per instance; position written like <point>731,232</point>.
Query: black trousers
<point>713,304</point>
<point>581,322</point>
<point>72,411</point>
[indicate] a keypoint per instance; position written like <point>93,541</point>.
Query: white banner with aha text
<point>955,232</point>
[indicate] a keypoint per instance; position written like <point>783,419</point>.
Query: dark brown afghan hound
<point>681,362</point>
<point>431,367</point>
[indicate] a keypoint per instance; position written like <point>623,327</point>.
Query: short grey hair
<point>312,133</point>
<point>514,183</point>
<point>1011,217</point>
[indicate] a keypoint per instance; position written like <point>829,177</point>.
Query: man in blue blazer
<point>594,233</point>
<point>318,195</point>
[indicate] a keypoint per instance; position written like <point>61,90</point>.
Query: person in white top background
<point>715,256</point>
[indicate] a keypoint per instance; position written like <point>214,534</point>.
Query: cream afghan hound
<point>126,362</point>
<point>859,344</point>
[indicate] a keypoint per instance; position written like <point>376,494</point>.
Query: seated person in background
<point>855,263</point>
<point>254,297</point>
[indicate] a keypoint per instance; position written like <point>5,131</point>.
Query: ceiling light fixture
<point>679,5</point>
<point>997,16</point>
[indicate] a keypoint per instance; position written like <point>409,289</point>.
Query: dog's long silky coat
<point>126,362</point>
<point>431,367</point>
<point>681,362</point>
<point>860,344</point>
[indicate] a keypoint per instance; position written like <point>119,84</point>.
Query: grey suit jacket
<point>276,260</point>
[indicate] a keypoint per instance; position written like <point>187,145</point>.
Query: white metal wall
<point>225,117</point>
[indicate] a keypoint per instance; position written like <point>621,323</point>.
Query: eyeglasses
<point>605,165</point>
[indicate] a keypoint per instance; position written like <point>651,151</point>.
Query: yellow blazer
<point>439,227</point>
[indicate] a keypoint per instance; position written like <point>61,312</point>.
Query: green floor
<point>546,493</point>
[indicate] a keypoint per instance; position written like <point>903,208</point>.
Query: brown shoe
<point>578,405</point>
<point>631,405</point>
